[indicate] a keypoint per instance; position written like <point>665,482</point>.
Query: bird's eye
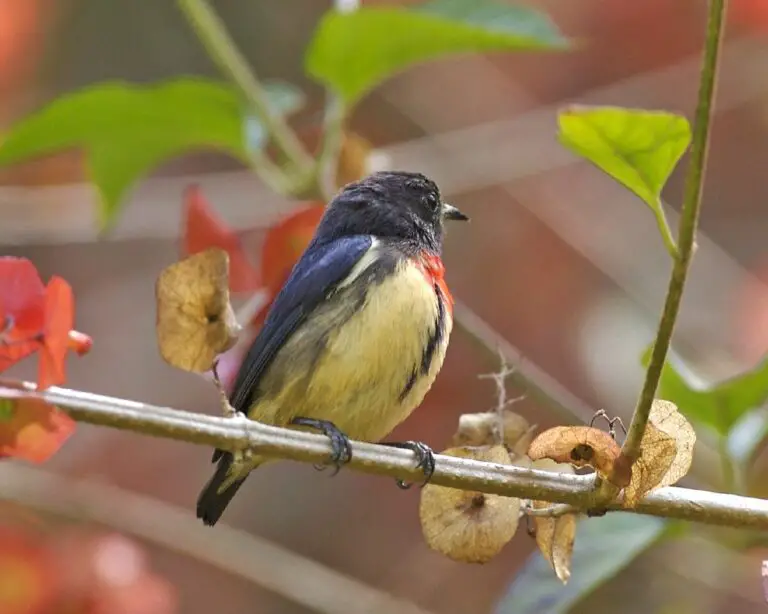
<point>433,202</point>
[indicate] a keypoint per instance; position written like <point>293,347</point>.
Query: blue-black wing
<point>316,274</point>
<point>320,269</point>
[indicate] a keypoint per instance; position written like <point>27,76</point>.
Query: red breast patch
<point>434,271</point>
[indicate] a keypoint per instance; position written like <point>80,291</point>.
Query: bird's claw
<point>341,450</point>
<point>425,460</point>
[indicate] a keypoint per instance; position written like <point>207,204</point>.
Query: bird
<point>358,333</point>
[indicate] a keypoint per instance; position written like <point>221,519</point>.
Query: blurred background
<point>563,263</point>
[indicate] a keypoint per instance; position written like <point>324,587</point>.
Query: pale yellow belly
<point>357,382</point>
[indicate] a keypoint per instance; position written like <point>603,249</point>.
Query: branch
<point>506,480</point>
<point>222,50</point>
<point>686,235</point>
<point>253,558</point>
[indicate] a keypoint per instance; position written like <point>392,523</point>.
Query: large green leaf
<point>352,52</point>
<point>638,148</point>
<point>603,547</point>
<point>127,130</point>
<point>720,405</point>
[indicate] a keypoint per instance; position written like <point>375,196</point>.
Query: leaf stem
<point>333,134</point>
<point>686,234</point>
<point>222,50</point>
<point>666,232</point>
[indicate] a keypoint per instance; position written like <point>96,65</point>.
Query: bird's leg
<point>425,459</point>
<point>341,451</point>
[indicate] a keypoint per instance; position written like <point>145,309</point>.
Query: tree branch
<point>686,235</point>
<point>506,480</point>
<point>213,35</point>
<point>252,558</point>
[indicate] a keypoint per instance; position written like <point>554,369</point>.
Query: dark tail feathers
<point>211,503</point>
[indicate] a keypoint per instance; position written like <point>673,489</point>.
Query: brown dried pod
<point>469,526</point>
<point>582,446</point>
<point>195,321</point>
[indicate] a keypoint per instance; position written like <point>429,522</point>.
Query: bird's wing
<point>320,270</point>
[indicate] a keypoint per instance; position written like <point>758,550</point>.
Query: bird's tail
<point>211,503</point>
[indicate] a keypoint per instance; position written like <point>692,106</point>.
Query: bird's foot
<point>341,450</point>
<point>425,459</point>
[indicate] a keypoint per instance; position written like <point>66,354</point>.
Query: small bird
<point>358,333</point>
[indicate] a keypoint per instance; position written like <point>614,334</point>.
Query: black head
<point>390,204</point>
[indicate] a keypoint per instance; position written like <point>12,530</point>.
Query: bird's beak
<point>452,213</point>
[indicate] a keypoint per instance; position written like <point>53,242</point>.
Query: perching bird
<point>356,337</point>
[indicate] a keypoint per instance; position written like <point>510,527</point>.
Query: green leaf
<point>639,149</point>
<point>352,52</point>
<point>603,547</point>
<point>127,130</point>
<point>719,405</point>
<point>6,409</point>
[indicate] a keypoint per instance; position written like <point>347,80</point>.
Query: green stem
<point>666,232</point>
<point>328,159</point>
<point>686,235</point>
<point>222,50</point>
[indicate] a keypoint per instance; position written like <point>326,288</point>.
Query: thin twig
<point>252,558</point>
<point>222,50</point>
<point>506,480</point>
<point>499,379</point>
<point>537,384</point>
<point>686,235</point>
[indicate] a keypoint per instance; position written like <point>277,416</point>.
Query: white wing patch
<point>361,265</point>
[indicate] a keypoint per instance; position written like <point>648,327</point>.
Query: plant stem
<point>333,134</point>
<point>686,235</point>
<point>666,232</point>
<point>222,50</point>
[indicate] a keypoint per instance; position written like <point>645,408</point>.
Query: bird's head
<point>390,204</point>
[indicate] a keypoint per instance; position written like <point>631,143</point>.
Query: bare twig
<point>537,384</point>
<point>253,558</point>
<point>499,379</point>
<point>686,235</point>
<point>506,480</point>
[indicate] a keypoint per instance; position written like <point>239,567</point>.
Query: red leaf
<point>22,310</point>
<point>285,242</point>
<point>202,229</point>
<point>22,295</point>
<point>59,319</point>
<point>35,431</point>
<point>27,577</point>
